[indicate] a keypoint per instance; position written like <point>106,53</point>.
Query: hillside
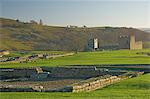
<point>145,29</point>
<point>16,35</point>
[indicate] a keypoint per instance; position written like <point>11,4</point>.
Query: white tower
<point>95,43</point>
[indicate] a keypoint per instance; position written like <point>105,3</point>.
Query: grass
<point>133,88</point>
<point>26,53</point>
<point>90,58</point>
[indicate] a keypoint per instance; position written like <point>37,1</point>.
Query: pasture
<point>133,88</point>
<point>90,58</point>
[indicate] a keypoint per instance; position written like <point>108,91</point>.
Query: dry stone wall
<point>76,72</point>
<point>83,86</point>
<point>9,72</point>
<point>94,83</point>
<point>98,82</point>
<point>9,89</point>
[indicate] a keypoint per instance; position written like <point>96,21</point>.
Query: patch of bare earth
<point>45,84</point>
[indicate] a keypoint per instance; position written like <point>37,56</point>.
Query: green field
<point>26,53</point>
<point>90,58</point>
<point>133,88</point>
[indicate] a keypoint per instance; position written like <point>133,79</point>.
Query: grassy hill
<point>90,58</point>
<point>16,35</point>
<point>134,88</point>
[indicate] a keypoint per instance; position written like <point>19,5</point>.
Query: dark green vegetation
<point>133,88</point>
<point>16,35</point>
<point>90,58</point>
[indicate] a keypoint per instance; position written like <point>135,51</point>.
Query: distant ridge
<point>16,35</point>
<point>145,29</point>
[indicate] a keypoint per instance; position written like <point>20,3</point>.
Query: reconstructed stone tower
<point>129,42</point>
<point>124,42</point>
<point>92,43</point>
<point>134,44</point>
<point>95,46</point>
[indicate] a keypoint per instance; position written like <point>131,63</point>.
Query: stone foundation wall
<point>17,90</point>
<point>98,82</point>
<point>9,72</point>
<point>83,86</point>
<point>76,72</point>
<point>62,72</point>
<point>94,83</point>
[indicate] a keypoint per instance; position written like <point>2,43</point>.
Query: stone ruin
<point>92,78</point>
<point>129,42</point>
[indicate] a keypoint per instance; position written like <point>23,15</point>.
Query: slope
<point>16,35</point>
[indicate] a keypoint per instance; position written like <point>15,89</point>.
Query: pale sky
<point>92,13</point>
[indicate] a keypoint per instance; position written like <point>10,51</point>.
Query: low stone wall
<point>77,72</point>
<point>17,90</point>
<point>100,82</point>
<point>60,55</point>
<point>96,83</point>
<point>19,72</point>
<point>83,86</point>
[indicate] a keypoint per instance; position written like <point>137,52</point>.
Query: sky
<point>92,13</point>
